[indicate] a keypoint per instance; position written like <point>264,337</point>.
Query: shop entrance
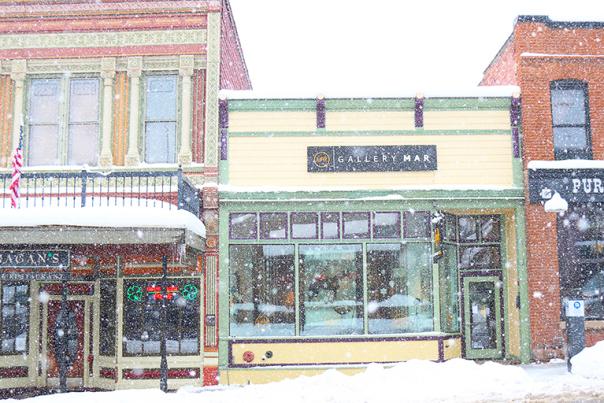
<point>74,338</point>
<point>482,321</point>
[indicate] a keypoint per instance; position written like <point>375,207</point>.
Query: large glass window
<point>54,140</point>
<point>399,281</point>
<point>243,226</point>
<point>142,317</point>
<point>15,318</point>
<point>107,307</point>
<point>581,258</point>
<point>262,290</point>
<point>570,119</point>
<point>331,289</point>
<point>479,242</point>
<point>160,118</point>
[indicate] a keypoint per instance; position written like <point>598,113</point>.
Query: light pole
<point>163,366</point>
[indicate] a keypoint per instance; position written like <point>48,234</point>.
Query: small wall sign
<point>33,264</point>
<point>371,158</point>
<point>575,308</point>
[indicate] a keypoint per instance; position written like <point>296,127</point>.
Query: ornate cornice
<point>103,39</point>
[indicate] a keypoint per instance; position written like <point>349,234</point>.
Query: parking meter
<point>575,328</point>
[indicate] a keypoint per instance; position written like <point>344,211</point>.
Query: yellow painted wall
<point>6,121</point>
<point>292,121</point>
<point>452,348</point>
<point>337,352</point>
<point>358,120</point>
<point>463,160</point>
<point>464,120</point>
<point>272,121</point>
<point>513,314</point>
<point>266,375</point>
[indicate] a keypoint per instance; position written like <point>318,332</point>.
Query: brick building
<point>559,67</point>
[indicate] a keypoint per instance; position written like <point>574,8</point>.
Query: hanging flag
<point>17,165</point>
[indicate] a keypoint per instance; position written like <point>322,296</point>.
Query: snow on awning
<point>567,164</point>
<point>100,225</point>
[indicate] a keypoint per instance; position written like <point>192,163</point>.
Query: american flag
<point>17,165</point>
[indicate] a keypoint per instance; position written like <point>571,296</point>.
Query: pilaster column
<point>135,67</point>
<point>212,88</point>
<point>18,70</point>
<point>185,71</point>
<point>107,74</point>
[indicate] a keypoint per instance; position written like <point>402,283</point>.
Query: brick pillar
<point>543,283</point>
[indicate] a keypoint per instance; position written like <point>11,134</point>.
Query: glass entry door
<point>482,317</point>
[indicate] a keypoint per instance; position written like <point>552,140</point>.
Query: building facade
<point>558,67</point>
<point>116,107</point>
<point>369,230</point>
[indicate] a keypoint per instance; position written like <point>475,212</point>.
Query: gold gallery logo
<point>321,159</point>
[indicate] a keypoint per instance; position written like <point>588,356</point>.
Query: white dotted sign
<point>575,308</point>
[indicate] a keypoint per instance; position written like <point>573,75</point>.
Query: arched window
<point>570,119</point>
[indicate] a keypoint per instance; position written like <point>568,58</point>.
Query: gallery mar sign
<point>573,185</point>
<point>33,264</point>
<point>371,158</point>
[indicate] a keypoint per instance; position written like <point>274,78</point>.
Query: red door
<point>74,337</point>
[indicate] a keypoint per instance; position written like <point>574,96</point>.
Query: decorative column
<point>212,87</point>
<point>135,67</point>
<point>107,74</point>
<point>18,70</point>
<point>185,70</point>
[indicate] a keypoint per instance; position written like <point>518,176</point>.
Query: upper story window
<point>63,116</point>
<point>160,118</point>
<point>570,120</point>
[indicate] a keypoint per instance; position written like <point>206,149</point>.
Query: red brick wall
<point>571,56</point>
<point>542,53</point>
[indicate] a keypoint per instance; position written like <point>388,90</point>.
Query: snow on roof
<point>566,164</point>
<point>464,92</point>
<point>102,217</point>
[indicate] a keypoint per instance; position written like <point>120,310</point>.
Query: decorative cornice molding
<point>103,39</point>
<point>18,70</point>
<point>108,67</point>
<point>186,64</point>
<point>135,66</point>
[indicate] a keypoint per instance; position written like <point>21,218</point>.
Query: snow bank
<point>589,363</point>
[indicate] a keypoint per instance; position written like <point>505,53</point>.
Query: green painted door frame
<point>482,353</point>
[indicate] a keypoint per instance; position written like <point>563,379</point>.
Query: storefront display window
<point>399,280</point>
<point>331,288</point>
<point>262,290</point>
<point>347,282</point>
<point>142,325</point>
<point>243,226</point>
<point>15,318</point>
<point>581,258</point>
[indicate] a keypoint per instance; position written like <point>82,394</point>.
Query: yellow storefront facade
<point>368,230</point>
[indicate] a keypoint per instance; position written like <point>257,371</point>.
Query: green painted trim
<point>370,104</point>
<point>505,278</point>
<point>223,288</point>
<point>442,198</point>
<point>517,172</point>
<point>223,172</point>
<point>467,334</point>
<point>436,293</point>
<point>525,326</point>
<point>358,133</point>
<point>469,103</point>
<point>365,290</point>
<point>273,105</point>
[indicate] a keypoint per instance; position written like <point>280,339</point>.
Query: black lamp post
<point>163,366</point>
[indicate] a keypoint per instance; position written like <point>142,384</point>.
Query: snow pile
<point>589,363</point>
<point>456,380</point>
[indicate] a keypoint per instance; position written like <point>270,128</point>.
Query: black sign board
<point>573,185</point>
<point>371,158</point>
<point>33,264</point>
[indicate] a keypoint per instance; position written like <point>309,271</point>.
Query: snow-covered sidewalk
<point>414,381</point>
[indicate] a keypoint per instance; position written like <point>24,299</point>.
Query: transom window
<point>570,120</point>
<point>160,118</point>
<point>63,117</point>
<point>478,240</point>
<point>14,318</point>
